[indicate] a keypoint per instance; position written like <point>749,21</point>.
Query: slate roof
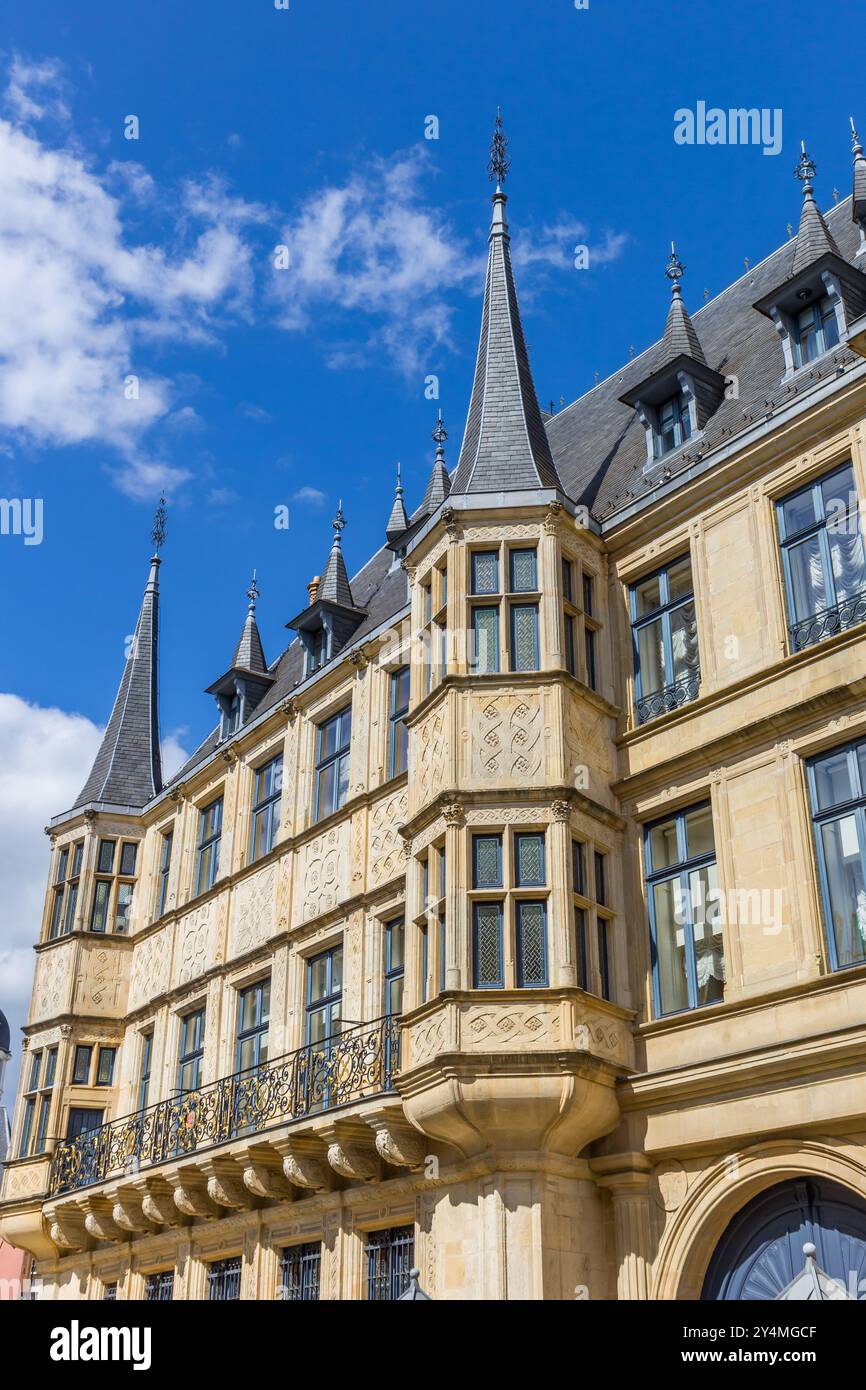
<point>127,770</point>
<point>335,586</point>
<point>597,444</point>
<point>813,236</point>
<point>5,1034</point>
<point>504,445</point>
<point>249,653</point>
<point>680,338</point>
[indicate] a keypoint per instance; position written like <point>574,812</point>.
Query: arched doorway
<point>761,1252</point>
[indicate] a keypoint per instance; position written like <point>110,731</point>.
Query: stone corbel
<point>451,522</point>
<point>225,1183</point>
<point>350,1154</point>
<point>66,1228</point>
<point>157,1203</point>
<point>263,1174</point>
<point>560,810</point>
<point>302,1163</point>
<point>397,1142</point>
<point>290,709</point>
<point>99,1221</point>
<point>127,1212</point>
<point>190,1194</point>
<point>453,813</point>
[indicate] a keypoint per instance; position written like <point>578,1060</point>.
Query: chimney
<point>313,588</point>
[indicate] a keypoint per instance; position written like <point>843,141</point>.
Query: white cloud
<point>79,300</point>
<point>554,245</point>
<point>311,495</point>
<point>370,248</point>
<point>45,756</point>
<point>35,90</point>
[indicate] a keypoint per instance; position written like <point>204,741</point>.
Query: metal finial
<point>158,530</point>
<point>440,434</point>
<point>855,138</point>
<point>790,229</point>
<point>675,270</point>
<point>806,168</point>
<point>835,195</point>
<point>339,522</point>
<point>499,162</point>
<point>747,263</point>
<point>253,592</point>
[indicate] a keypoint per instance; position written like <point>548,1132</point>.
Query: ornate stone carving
<point>127,1213</point>
<point>453,813</point>
<point>352,1161</point>
<point>493,1028</point>
<point>560,810</point>
<point>190,1197</point>
<point>451,522</point>
<point>225,1184</point>
<point>158,1205</point>
<point>263,1181</point>
<point>151,963</point>
<point>304,1169</point>
<point>100,1223</point>
<point>195,942</point>
<point>67,1229</point>
<point>505,738</point>
<point>253,907</point>
<point>325,863</point>
<point>386,856</point>
<point>552,518</point>
<point>398,1144</point>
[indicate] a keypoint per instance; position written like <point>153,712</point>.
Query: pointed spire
<point>858,202</point>
<point>127,770</point>
<point>505,446</point>
<point>398,521</point>
<point>249,653</point>
<point>813,237</point>
<point>680,336</point>
<point>335,585</point>
<point>439,484</point>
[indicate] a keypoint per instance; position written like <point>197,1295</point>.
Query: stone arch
<point>723,1189</point>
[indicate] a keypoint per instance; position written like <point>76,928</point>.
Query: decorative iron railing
<point>825,624</point>
<point>670,697</point>
<point>361,1062</point>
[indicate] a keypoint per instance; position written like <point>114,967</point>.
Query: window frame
<point>397,721</point>
<point>817,528</point>
<point>680,871</point>
<point>663,614</point>
<point>854,806</point>
<point>266,805</point>
<point>258,1032</point>
<point>506,896</point>
<point>191,1056</point>
<point>324,762</point>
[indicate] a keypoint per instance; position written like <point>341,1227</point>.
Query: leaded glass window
<point>837,782</point>
<point>529,860</point>
<point>485,572</point>
<point>531,945</point>
<point>485,640</point>
<point>524,637</point>
<point>487,954</point>
<point>487,861</point>
<point>523,577</point>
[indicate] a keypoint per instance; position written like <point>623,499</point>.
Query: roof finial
<point>806,170</point>
<point>856,147</point>
<point>499,162</point>
<point>253,593</point>
<point>339,523</point>
<point>675,270</point>
<point>440,434</point>
<point>158,530</point>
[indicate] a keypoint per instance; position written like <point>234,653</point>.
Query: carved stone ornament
<point>452,813</point>
<point>560,810</point>
<point>400,1146</point>
<point>290,709</point>
<point>552,518</point>
<point>304,1169</point>
<point>352,1161</point>
<point>451,522</point>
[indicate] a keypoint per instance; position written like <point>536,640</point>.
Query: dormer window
<point>816,331</point>
<point>317,649</point>
<point>673,426</point>
<point>232,716</point>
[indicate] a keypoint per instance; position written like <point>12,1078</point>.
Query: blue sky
<point>155,257</point>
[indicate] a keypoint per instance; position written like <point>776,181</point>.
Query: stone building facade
<point>511,926</point>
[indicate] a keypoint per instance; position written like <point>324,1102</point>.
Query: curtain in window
<point>684,640</point>
<point>849,563</point>
<point>808,584</point>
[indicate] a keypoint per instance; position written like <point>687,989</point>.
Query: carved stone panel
<point>324,866</point>
<point>53,985</point>
<point>505,738</point>
<point>151,968</point>
<point>102,979</point>
<point>253,909</point>
<point>387,860</point>
<point>429,756</point>
<point>195,942</point>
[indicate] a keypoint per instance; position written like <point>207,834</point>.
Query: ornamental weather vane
<point>499,162</point>
<point>253,592</point>
<point>675,270</point>
<point>157,534</point>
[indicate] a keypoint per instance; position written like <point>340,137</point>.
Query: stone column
<point>629,1190</point>
<point>563,964</point>
<point>550,584</point>
<point>456,902</point>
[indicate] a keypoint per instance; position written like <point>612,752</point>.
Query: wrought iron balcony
<point>828,622</point>
<point>321,1076</point>
<point>670,697</point>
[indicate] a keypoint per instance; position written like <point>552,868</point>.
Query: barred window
<point>300,1273</point>
<point>159,1287</point>
<point>390,1256</point>
<point>224,1280</point>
